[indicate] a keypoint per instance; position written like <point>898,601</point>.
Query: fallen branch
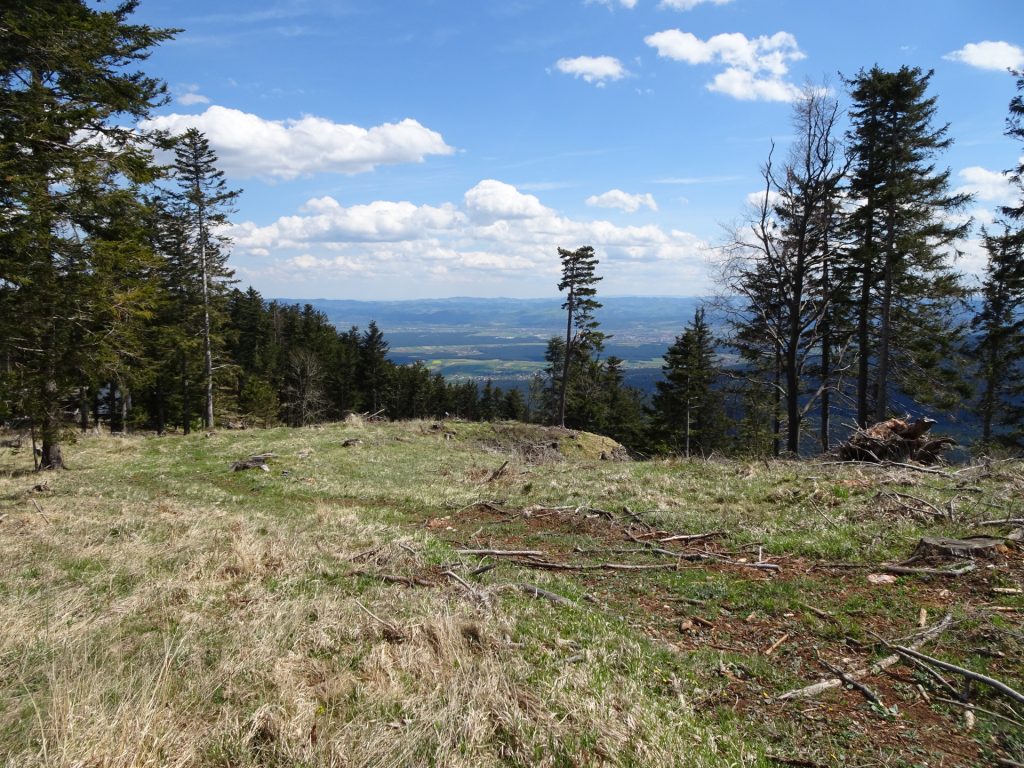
<point>864,690</point>
<point>904,570</point>
<point>874,669</point>
<point>975,708</point>
<point>550,566</point>
<point>501,552</point>
<point>691,536</point>
<point>408,581</point>
<point>497,473</point>
<point>1004,521</point>
<point>976,676</point>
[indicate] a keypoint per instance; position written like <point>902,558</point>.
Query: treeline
<point>841,295</point>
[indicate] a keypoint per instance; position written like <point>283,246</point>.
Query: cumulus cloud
<point>689,5</point>
<point>249,145</point>
<point>593,69</point>
<point>990,54</point>
<point>611,3</point>
<point>755,68</point>
<point>616,198</point>
<point>496,232</point>
<point>497,200</point>
<point>987,185</point>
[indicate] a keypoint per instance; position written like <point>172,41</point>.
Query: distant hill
<point>655,318</point>
<point>505,339</point>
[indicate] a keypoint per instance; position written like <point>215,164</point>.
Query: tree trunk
<point>83,409</point>
<point>863,348</point>
<point>186,413</point>
<point>565,361</point>
<point>51,457</point>
<point>885,336</point>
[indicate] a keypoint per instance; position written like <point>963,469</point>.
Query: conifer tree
<point>201,203</point>
<point>999,324</point>
<point>688,410</point>
<point>581,332</point>
<point>71,251</point>
<point>901,241</point>
<point>999,345</point>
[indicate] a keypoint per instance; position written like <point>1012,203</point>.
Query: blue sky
<point>431,148</point>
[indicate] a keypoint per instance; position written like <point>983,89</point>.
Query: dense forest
<point>118,304</point>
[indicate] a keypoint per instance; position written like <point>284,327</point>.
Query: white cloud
<point>616,198</point>
<point>497,200</point>
<point>989,54</point>
<point>757,199</point>
<point>248,145</point>
<point>689,5</point>
<point>987,185</point>
<point>188,99</point>
<point>755,68</point>
<point>593,69</point>
<point>611,3</point>
<point>496,233</point>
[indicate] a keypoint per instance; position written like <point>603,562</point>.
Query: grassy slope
<point>158,609</point>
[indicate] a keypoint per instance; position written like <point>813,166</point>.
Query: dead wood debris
<point>259,461</point>
<point>897,441</point>
<point>998,685</point>
<point>879,666</point>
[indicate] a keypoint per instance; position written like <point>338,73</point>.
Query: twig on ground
<point>904,570</point>
<point>390,578</point>
<point>976,676</point>
<point>864,690</point>
<point>691,536</point>
<point>874,669</point>
<point>775,646</point>
<point>501,552</point>
<point>39,509</point>
<point>976,708</point>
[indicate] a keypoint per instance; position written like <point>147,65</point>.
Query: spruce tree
<point>201,203</point>
<point>687,408</point>
<point>72,253</point>
<point>901,243</point>
<point>999,344</point>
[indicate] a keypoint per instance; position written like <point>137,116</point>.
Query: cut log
<point>973,548</point>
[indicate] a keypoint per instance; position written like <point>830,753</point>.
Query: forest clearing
<point>455,593</point>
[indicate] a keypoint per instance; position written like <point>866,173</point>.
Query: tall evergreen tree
<point>999,345</point>
<point>900,258</point>
<point>579,279</point>
<point>688,409</point>
<point>70,173</point>
<point>999,324</point>
<point>201,203</point>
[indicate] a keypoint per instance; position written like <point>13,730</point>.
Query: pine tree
<point>70,175</point>
<point>901,239</point>
<point>201,203</point>
<point>581,332</point>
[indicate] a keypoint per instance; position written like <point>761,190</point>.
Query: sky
<point>399,149</point>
